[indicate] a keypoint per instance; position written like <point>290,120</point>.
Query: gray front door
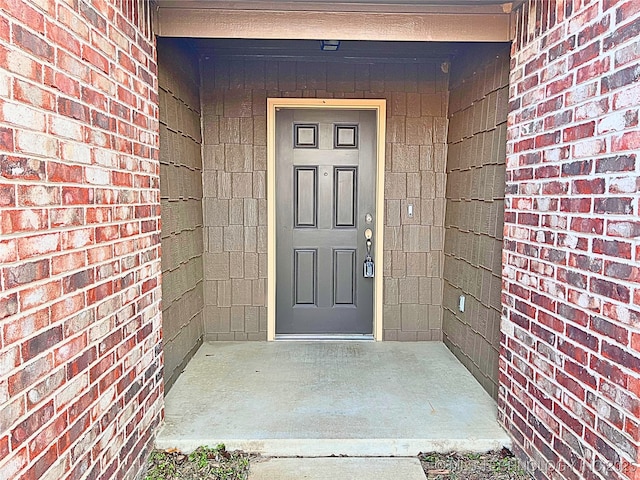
<point>325,200</point>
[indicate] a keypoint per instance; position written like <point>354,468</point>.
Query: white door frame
<point>377,105</point>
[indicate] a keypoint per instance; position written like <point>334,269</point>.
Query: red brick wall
<point>570,360</point>
<point>80,362</point>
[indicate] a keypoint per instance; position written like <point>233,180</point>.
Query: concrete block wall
<point>181,205</point>
<point>80,354</point>
<point>570,360</point>
<point>234,93</point>
<point>478,105</point>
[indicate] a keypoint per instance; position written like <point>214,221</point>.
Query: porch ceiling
<point>384,20</point>
<point>309,50</point>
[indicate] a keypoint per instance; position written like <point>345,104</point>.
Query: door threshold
<point>314,338</point>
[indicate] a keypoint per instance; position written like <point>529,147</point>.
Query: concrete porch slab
<point>317,399</point>
<point>339,468</point>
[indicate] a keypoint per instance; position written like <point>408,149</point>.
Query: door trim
<point>380,107</point>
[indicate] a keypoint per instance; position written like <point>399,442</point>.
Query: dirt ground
<point>218,464</point>
<point>204,463</point>
<point>500,465</point>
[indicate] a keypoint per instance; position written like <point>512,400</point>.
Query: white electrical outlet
<point>461,303</point>
<point>410,210</point>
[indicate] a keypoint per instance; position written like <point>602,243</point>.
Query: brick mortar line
<point>95,266</point>
<point>619,406</point>
<point>48,207</point>
<point>65,141</point>
<point>55,67</point>
<point>572,72</point>
<point>90,307</point>
<point>570,143</point>
<point>565,248</point>
<point>569,72</point>
<point>38,183</point>
<point>62,366</point>
<point>605,217</point>
<point>569,194</point>
<point>63,275</point>
<point>116,421</point>
<point>602,299</point>
<point>568,322</point>
<point>71,229</point>
<point>593,216</point>
<point>568,180</point>
<point>59,23</point>
<point>565,339</point>
<point>91,343</point>
<point>92,146</point>
<point>588,274</point>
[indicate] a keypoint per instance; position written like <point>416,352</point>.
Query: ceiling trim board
<point>433,6</point>
<point>248,24</point>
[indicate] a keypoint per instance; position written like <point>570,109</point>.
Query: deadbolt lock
<point>368,267</point>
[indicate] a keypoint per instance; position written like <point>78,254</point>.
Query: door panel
<point>325,186</point>
<point>305,277</point>
<point>306,197</point>
<point>344,281</point>
<point>344,201</point>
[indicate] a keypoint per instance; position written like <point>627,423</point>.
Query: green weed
<point>204,463</point>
